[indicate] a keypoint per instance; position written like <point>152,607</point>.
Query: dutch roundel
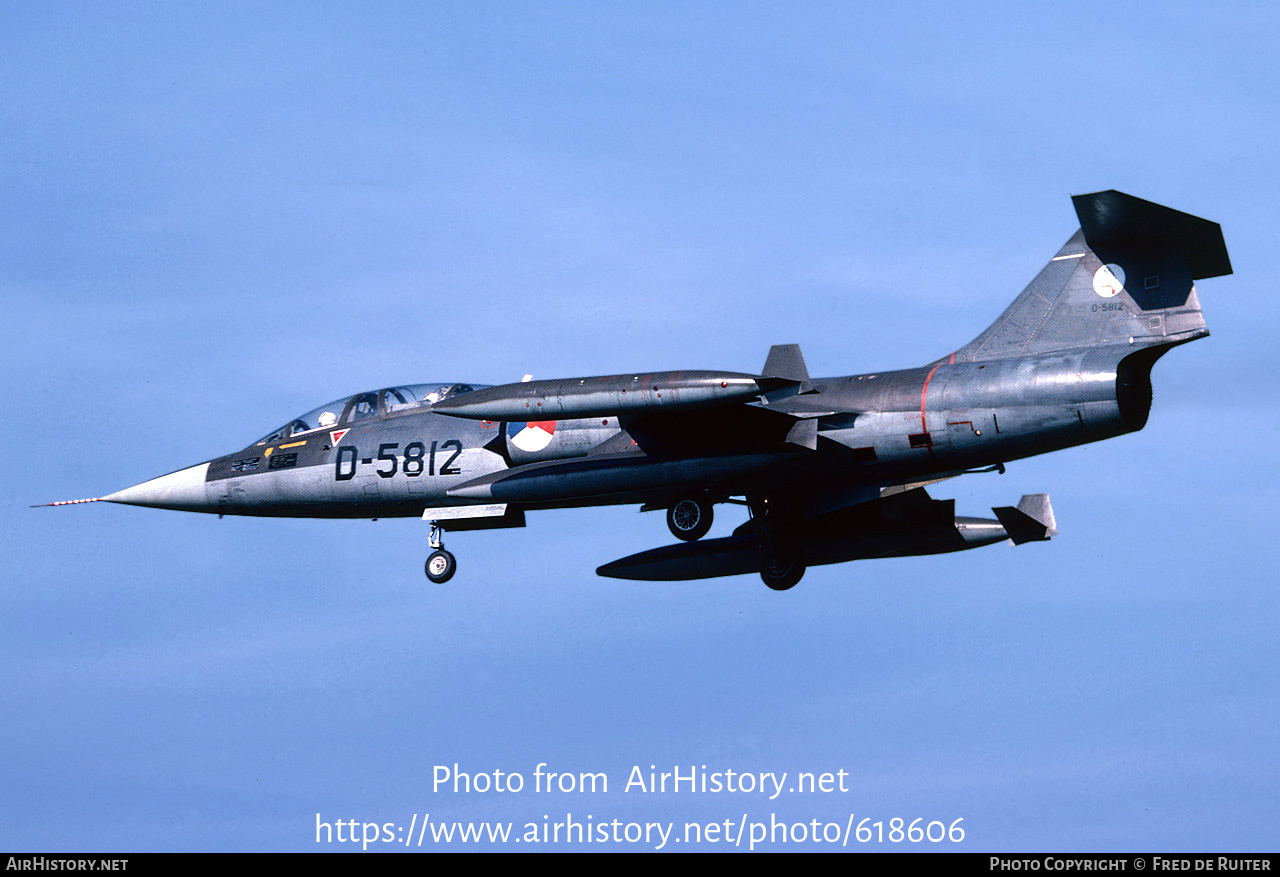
<point>531,437</point>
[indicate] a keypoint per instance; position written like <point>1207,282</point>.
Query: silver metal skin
<point>603,396</point>
<point>829,467</point>
<point>183,490</point>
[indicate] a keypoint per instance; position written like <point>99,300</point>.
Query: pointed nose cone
<point>183,490</point>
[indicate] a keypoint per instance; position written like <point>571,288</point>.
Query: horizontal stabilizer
<point>1031,521</point>
<point>1124,280</point>
<point>1113,221</point>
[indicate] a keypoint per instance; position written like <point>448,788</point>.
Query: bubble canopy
<point>367,406</point>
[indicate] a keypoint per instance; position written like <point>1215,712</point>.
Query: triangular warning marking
<point>337,434</point>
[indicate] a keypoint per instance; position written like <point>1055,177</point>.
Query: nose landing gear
<point>441,565</point>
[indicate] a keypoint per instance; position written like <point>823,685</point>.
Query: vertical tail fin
<point>1125,277</point>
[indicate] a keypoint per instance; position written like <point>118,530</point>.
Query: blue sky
<point>217,219</point>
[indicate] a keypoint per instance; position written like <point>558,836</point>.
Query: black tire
<point>781,571</point>
<point>441,566</point>
<point>689,518</point>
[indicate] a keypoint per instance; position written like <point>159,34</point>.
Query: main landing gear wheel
<point>441,566</point>
<point>781,571</point>
<point>689,519</point>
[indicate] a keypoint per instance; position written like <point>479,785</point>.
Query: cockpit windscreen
<point>366,406</point>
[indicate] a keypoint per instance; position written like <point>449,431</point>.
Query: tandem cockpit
<point>351,410</point>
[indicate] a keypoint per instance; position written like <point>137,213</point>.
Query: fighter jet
<point>829,469</point>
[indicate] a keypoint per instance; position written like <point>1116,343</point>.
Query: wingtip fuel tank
<point>605,396</point>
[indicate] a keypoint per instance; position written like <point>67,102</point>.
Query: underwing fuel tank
<point>608,396</point>
<point>875,529</point>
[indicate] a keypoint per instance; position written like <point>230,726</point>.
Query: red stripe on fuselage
<point>924,392</point>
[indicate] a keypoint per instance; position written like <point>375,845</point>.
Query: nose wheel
<point>441,565</point>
